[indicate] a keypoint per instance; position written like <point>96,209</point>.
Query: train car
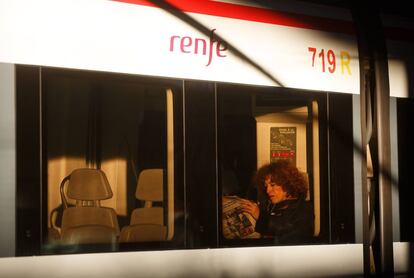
<point>133,131</point>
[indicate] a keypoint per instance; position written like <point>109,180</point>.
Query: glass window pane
<point>109,158</point>
<point>274,165</point>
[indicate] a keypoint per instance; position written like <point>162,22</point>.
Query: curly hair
<point>285,174</point>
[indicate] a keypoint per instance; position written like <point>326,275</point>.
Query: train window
<point>274,164</point>
<point>105,154</point>
<point>108,162</point>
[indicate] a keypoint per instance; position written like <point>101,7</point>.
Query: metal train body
<point>197,90</point>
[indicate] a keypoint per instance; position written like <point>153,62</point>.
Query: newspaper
<point>236,223</point>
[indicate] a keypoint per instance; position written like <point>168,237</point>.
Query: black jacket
<point>288,222</point>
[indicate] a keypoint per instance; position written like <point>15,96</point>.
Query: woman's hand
<point>250,207</point>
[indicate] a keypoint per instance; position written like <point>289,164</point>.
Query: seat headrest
<point>150,185</point>
<point>88,184</point>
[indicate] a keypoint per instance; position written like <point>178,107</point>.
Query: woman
<point>285,215</point>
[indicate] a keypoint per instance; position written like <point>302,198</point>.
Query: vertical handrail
<point>373,65</point>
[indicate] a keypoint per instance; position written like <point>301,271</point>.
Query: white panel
<point>398,75</point>
<point>288,261</point>
<point>400,64</point>
<point>7,160</point>
<point>119,37</point>
<point>403,258</point>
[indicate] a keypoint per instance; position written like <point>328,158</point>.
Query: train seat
<point>147,222</point>
<point>87,221</point>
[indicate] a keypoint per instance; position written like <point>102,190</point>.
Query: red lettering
<point>331,61</point>
<point>203,43</point>
<point>313,50</point>
<point>221,46</point>
<point>172,42</point>
<point>322,56</point>
<point>200,46</point>
<point>210,56</point>
<point>328,57</point>
<point>185,45</point>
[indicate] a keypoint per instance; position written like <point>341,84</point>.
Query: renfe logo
<point>190,45</point>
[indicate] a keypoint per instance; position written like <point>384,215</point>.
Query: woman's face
<point>274,192</point>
